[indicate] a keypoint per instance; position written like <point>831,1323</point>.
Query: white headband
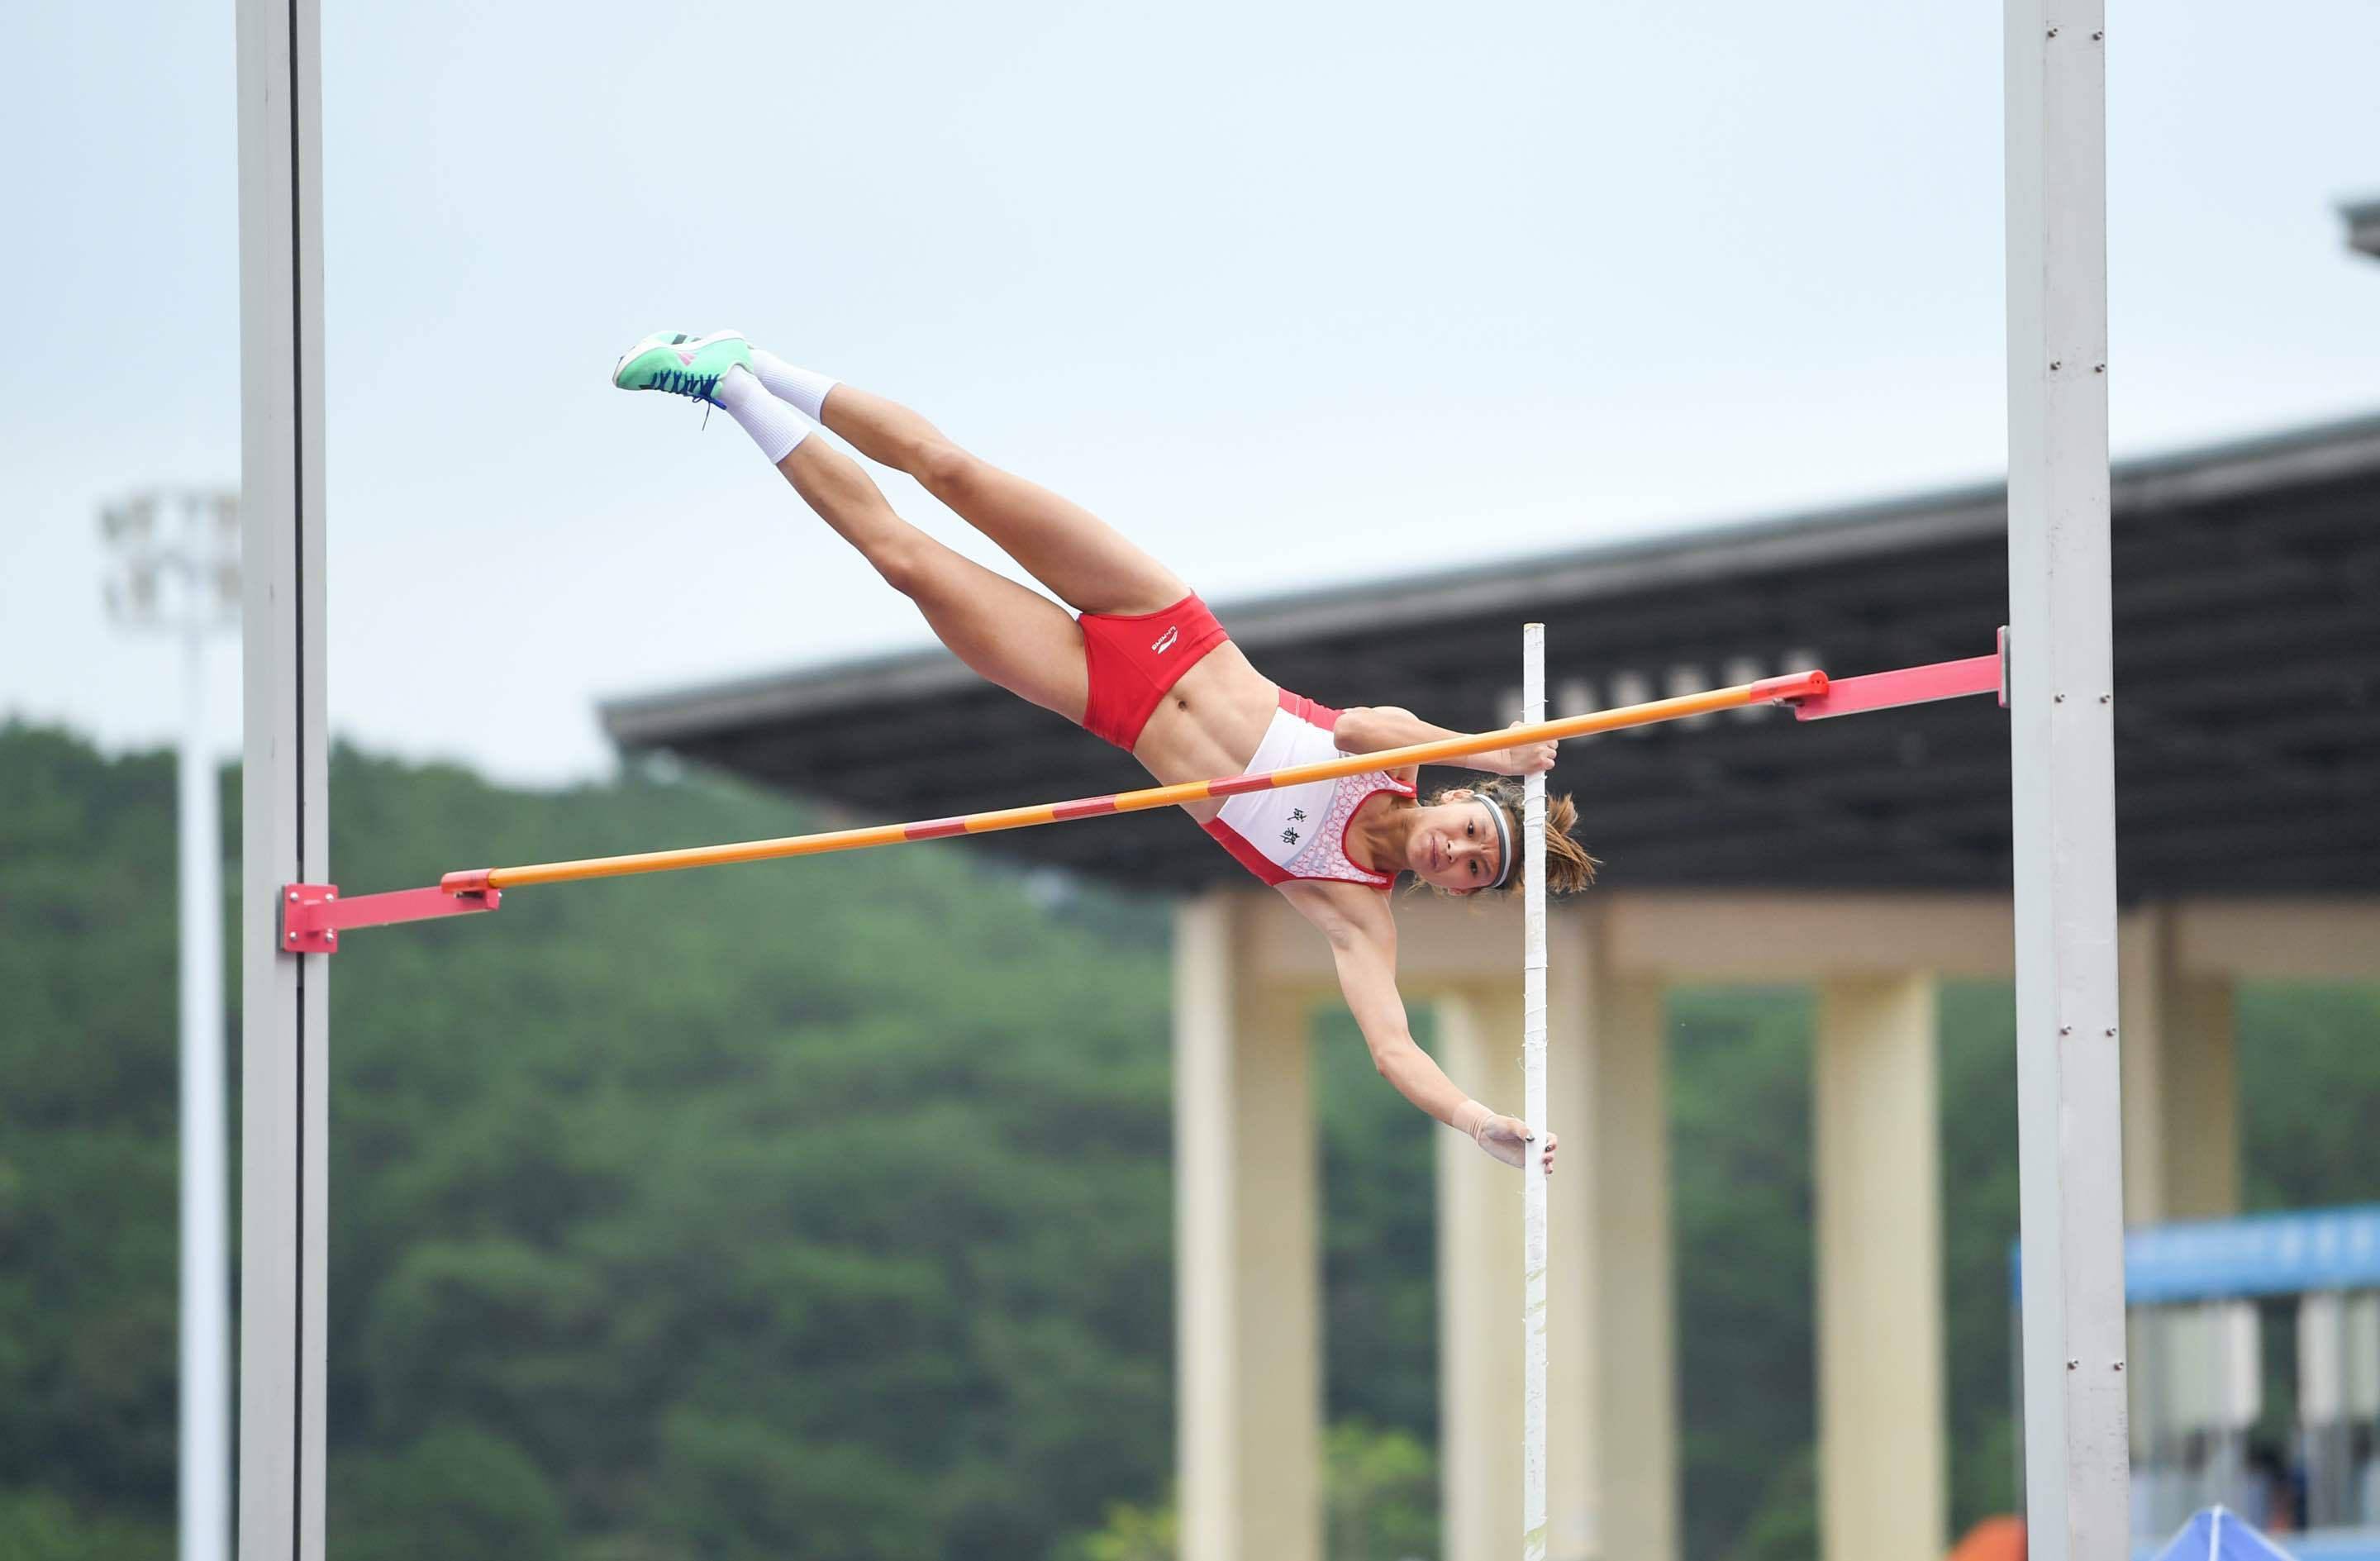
<point>1503,841</point>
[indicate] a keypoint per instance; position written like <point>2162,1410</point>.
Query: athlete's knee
<point>907,563</point>
<point>943,466</point>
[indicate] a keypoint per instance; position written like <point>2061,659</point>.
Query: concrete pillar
<point>1634,1463</point>
<point>1612,1420</point>
<point>2202,1098</point>
<point>2181,1093</point>
<point>1479,1289</point>
<point>1882,1424</point>
<point>1248,1265</point>
<point>2140,976</point>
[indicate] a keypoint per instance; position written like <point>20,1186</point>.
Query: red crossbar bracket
<point>1909,685</point>
<point>312,915</point>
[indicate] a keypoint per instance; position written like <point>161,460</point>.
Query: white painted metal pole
<point>1533,1110</point>
<point>205,1473</point>
<point>285,783</point>
<point>2061,719</point>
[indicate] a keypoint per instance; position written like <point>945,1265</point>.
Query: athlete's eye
<point>1474,866</point>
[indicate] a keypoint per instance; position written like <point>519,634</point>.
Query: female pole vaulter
<point>1145,665</point>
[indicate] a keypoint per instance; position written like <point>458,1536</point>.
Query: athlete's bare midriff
<point>1208,724</point>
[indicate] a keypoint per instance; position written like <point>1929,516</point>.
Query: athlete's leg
<point>1064,546</point>
<point>1022,641</point>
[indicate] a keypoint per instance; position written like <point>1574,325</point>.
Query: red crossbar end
<point>1790,689</point>
<point>312,915</point>
<point>473,880</point>
<point>1909,685</point>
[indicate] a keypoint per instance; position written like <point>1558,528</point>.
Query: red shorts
<point>1134,658</point>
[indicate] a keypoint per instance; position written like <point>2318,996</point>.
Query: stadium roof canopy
<point>2247,618</point>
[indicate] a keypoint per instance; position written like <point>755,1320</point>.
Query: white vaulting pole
<point>1533,1110</point>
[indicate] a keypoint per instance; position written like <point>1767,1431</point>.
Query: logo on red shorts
<point>1165,641</point>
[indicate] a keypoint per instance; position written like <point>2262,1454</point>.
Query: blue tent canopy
<point>2220,1534</point>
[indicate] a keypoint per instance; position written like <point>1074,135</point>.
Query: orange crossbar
<point>1777,690</point>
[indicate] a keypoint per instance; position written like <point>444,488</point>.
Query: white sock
<point>806,388</point>
<point>775,427</point>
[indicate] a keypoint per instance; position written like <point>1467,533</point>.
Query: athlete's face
<point>1455,844</point>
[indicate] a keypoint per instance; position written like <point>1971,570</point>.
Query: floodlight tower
<point>177,571</point>
<point>2363,218</point>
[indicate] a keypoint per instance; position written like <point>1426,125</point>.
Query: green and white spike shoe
<point>677,364</point>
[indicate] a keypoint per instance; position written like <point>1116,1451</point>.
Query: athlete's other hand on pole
<point>1524,758</point>
<point>1505,1138</point>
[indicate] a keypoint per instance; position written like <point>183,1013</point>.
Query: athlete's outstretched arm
<point>1374,728</point>
<point>1364,947</point>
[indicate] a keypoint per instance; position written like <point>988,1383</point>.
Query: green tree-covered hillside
<point>817,1212</point>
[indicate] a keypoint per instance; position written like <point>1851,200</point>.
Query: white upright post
<point>1532,1095</point>
<point>2060,707</point>
<point>205,1505</point>
<point>285,832</point>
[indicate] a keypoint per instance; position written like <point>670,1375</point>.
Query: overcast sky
<point>1295,293</point>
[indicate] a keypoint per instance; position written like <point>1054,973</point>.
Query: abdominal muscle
<point>1208,724</point>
